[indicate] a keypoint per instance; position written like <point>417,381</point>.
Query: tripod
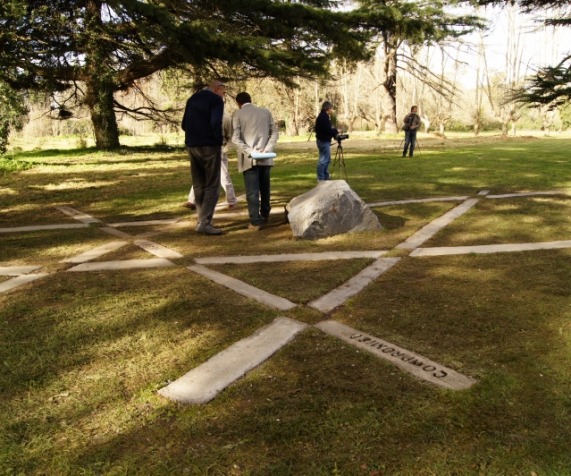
<point>416,146</point>
<point>339,161</point>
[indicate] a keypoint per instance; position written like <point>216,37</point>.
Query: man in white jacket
<point>254,131</point>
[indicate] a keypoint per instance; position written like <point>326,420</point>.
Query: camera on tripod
<point>341,137</point>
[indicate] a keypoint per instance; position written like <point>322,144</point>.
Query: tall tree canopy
<point>413,23</point>
<point>95,48</point>
<point>551,85</point>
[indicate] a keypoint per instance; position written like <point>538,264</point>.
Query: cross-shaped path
<point>204,382</point>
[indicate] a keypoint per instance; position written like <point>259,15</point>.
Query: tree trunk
<point>99,83</point>
<point>505,125</point>
<point>389,90</point>
<point>293,119</point>
<point>99,99</point>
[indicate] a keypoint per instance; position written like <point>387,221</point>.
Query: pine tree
<point>94,48</point>
<point>412,23</point>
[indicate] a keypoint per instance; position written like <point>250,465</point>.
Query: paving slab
<point>481,249</point>
<point>244,289</point>
<point>124,264</point>
<point>17,270</point>
<point>338,296</point>
<point>417,200</point>
<point>334,255</point>
<point>150,234</point>
<point>435,226</point>
<point>77,215</point>
<point>203,383</point>
<point>63,226</point>
<point>406,360</point>
<point>527,194</point>
<point>156,249</point>
<point>168,221</point>
<point>115,232</point>
<point>95,252</point>
<point>20,281</point>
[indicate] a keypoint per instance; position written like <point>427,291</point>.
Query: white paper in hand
<point>262,155</point>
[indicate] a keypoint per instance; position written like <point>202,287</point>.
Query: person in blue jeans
<point>324,132</point>
<point>411,124</point>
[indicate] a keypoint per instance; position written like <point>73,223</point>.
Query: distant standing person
<point>225,179</point>
<point>202,124</point>
<point>411,124</point>
<point>254,131</point>
<point>324,132</point>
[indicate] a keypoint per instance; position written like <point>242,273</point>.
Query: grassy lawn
<point>82,355</point>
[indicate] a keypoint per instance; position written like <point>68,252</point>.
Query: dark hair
<point>326,106</point>
<point>243,98</point>
<point>413,108</point>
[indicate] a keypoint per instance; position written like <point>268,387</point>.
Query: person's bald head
<point>217,87</point>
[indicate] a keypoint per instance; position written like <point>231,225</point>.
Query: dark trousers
<point>409,140</point>
<point>205,170</point>
<point>257,182</point>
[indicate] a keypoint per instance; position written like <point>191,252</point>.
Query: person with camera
<point>411,124</point>
<point>324,132</point>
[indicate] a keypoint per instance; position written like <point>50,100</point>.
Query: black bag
<point>405,127</point>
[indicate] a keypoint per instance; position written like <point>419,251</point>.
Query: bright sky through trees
<point>538,45</point>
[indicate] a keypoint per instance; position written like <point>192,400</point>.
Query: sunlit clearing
<point>75,184</point>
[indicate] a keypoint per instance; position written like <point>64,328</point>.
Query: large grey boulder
<point>331,208</point>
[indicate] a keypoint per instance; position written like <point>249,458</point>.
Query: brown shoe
<point>252,227</point>
<point>189,205</point>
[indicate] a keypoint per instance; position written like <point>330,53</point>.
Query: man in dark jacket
<point>411,124</point>
<point>202,125</point>
<point>324,132</point>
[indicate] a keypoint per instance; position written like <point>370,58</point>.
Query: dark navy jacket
<point>323,129</point>
<point>202,120</point>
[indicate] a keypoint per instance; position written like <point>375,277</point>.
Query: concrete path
<point>356,284</point>
<point>157,250</point>
<point>528,194</point>
<point>206,381</point>
<point>244,289</point>
<point>63,226</point>
<point>77,215</point>
<point>406,360</point>
<point>427,232</point>
<point>417,200</point>
<point>332,255</point>
<point>509,248</point>
<point>95,253</point>
<point>20,281</point>
<point>17,270</point>
<point>124,264</point>
<point>203,383</point>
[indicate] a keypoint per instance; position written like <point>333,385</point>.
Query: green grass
<point>82,355</point>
